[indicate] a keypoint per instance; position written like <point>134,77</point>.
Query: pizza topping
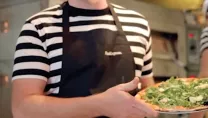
<point>196,99</point>
<point>186,83</point>
<point>164,100</point>
<point>176,92</point>
<point>205,103</point>
<point>161,89</point>
<point>202,86</point>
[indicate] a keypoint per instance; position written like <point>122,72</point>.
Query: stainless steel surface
<point>193,41</point>
<point>185,112</point>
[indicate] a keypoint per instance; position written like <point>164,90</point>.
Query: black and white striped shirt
<point>39,47</point>
<point>204,40</point>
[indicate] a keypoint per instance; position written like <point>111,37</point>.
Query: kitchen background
<point>176,27</point>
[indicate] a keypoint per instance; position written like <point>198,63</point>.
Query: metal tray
<point>183,111</point>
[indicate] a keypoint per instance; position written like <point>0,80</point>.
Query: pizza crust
<point>178,108</point>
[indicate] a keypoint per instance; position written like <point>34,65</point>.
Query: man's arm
<point>146,82</point>
<point>147,70</point>
<point>204,65</point>
<point>30,74</point>
<point>204,54</point>
<point>29,101</point>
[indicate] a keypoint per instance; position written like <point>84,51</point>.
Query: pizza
<point>177,94</point>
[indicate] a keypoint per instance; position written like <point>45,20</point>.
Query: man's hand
<point>118,103</point>
<point>115,103</point>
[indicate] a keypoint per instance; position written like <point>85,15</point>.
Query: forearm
<point>146,82</point>
<point>203,71</point>
<point>203,75</point>
<point>37,106</point>
<point>204,65</point>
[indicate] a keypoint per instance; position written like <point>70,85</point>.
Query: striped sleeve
<point>30,60</point>
<point>147,67</point>
<point>204,40</point>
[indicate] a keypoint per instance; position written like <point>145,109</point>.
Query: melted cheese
<point>202,86</point>
<point>161,89</point>
<point>164,100</point>
<point>196,99</point>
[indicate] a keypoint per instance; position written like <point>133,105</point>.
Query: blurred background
<point>176,28</point>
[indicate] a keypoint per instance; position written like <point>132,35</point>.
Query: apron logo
<point>112,53</point>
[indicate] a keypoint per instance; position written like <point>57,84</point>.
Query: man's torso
<point>48,24</point>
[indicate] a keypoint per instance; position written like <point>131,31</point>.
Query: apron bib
<point>92,62</point>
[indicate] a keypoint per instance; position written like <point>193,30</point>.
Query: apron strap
<point>120,31</point>
<point>65,36</point>
<point>115,17</point>
<point>65,23</point>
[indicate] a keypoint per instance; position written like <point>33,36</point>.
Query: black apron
<point>93,62</point>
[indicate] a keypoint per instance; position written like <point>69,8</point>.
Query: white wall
<point>16,15</point>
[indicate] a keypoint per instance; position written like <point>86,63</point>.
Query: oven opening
<point>165,55</point>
